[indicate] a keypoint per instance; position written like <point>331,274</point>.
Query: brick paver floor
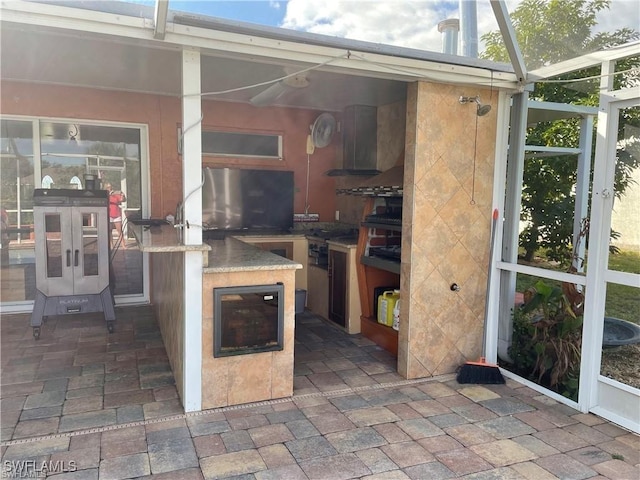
<point>80,404</point>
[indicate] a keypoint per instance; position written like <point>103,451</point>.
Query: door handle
<point>68,258</point>
<point>75,258</point>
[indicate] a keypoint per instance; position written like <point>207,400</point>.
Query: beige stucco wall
<point>445,237</point>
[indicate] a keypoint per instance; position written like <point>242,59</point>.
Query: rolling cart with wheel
<point>72,255</point>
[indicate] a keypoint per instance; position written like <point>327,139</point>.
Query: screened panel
<point>547,334</point>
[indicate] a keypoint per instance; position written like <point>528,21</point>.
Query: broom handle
<point>494,223</point>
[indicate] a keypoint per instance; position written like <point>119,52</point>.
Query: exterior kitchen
<point>384,177</point>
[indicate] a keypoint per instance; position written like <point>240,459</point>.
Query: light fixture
<point>74,133</point>
<point>481,110</point>
<point>275,91</point>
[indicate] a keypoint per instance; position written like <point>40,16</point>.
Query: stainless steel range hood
<point>359,140</point>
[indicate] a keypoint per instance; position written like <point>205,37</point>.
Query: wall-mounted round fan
<point>322,130</point>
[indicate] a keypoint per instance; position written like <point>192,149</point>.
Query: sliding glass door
<point>39,153</point>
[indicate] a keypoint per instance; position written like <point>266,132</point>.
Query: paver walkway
<point>351,416</point>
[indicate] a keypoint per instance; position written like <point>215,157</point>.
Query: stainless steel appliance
<point>318,253</point>
<point>72,254</point>
<point>241,200</point>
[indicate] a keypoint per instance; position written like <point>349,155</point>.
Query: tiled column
<point>446,228</point>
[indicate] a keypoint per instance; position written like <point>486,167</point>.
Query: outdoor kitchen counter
<point>347,242</point>
<point>162,238</point>
<point>251,376</point>
<point>234,255</point>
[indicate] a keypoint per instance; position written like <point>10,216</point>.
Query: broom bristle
<point>481,373</point>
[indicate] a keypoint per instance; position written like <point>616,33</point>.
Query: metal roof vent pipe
<point>469,28</point>
<point>449,29</point>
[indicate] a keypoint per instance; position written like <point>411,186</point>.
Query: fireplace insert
<point>248,319</point>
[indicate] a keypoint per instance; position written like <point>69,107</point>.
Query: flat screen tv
<point>238,200</point>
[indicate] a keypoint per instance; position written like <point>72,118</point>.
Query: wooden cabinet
<point>376,271</point>
<point>337,286</point>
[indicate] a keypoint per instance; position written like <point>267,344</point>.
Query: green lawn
<point>622,301</point>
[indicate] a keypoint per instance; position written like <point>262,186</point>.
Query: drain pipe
<point>449,28</point>
<point>469,28</point>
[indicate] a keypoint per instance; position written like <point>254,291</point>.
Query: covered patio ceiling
<point>107,51</point>
<point>54,57</point>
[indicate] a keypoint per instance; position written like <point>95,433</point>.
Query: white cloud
<point>621,13</point>
<point>275,5</point>
<point>414,24</point>
<point>402,23</point>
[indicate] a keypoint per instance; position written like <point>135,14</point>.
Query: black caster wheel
<point>111,327</point>
<point>36,333</point>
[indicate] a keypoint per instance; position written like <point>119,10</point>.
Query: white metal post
<point>192,215</point>
<point>492,322</point>
<point>513,201</point>
<point>582,191</point>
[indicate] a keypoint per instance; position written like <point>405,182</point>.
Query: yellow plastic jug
<point>386,303</point>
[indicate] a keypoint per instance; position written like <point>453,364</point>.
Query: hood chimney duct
<point>449,29</point>
<point>469,27</point>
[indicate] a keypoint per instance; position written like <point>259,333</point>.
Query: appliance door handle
<point>68,258</point>
<point>75,258</point>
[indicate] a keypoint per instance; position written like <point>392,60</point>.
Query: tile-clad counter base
<point>234,255</point>
<point>167,287</point>
<point>252,377</point>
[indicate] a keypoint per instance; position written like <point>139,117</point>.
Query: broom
<point>481,372</point>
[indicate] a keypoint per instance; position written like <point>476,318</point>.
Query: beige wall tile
<point>167,289</point>
<point>253,377</point>
<point>249,378</point>
<point>448,233</point>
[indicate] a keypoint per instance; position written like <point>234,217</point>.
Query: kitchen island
<point>251,377</point>
<point>231,262</point>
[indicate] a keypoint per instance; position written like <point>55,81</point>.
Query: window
<point>239,144</point>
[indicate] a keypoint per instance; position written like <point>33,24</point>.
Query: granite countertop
<point>349,242</point>
<point>162,238</point>
<point>234,255</point>
<point>230,254</point>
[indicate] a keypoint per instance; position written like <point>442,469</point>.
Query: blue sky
<point>404,23</point>
<point>261,12</point>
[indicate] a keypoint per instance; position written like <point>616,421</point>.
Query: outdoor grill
<point>72,254</point>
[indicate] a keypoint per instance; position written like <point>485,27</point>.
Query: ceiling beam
<point>338,60</point>
<point>509,36</point>
<point>586,61</point>
<point>160,19</point>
